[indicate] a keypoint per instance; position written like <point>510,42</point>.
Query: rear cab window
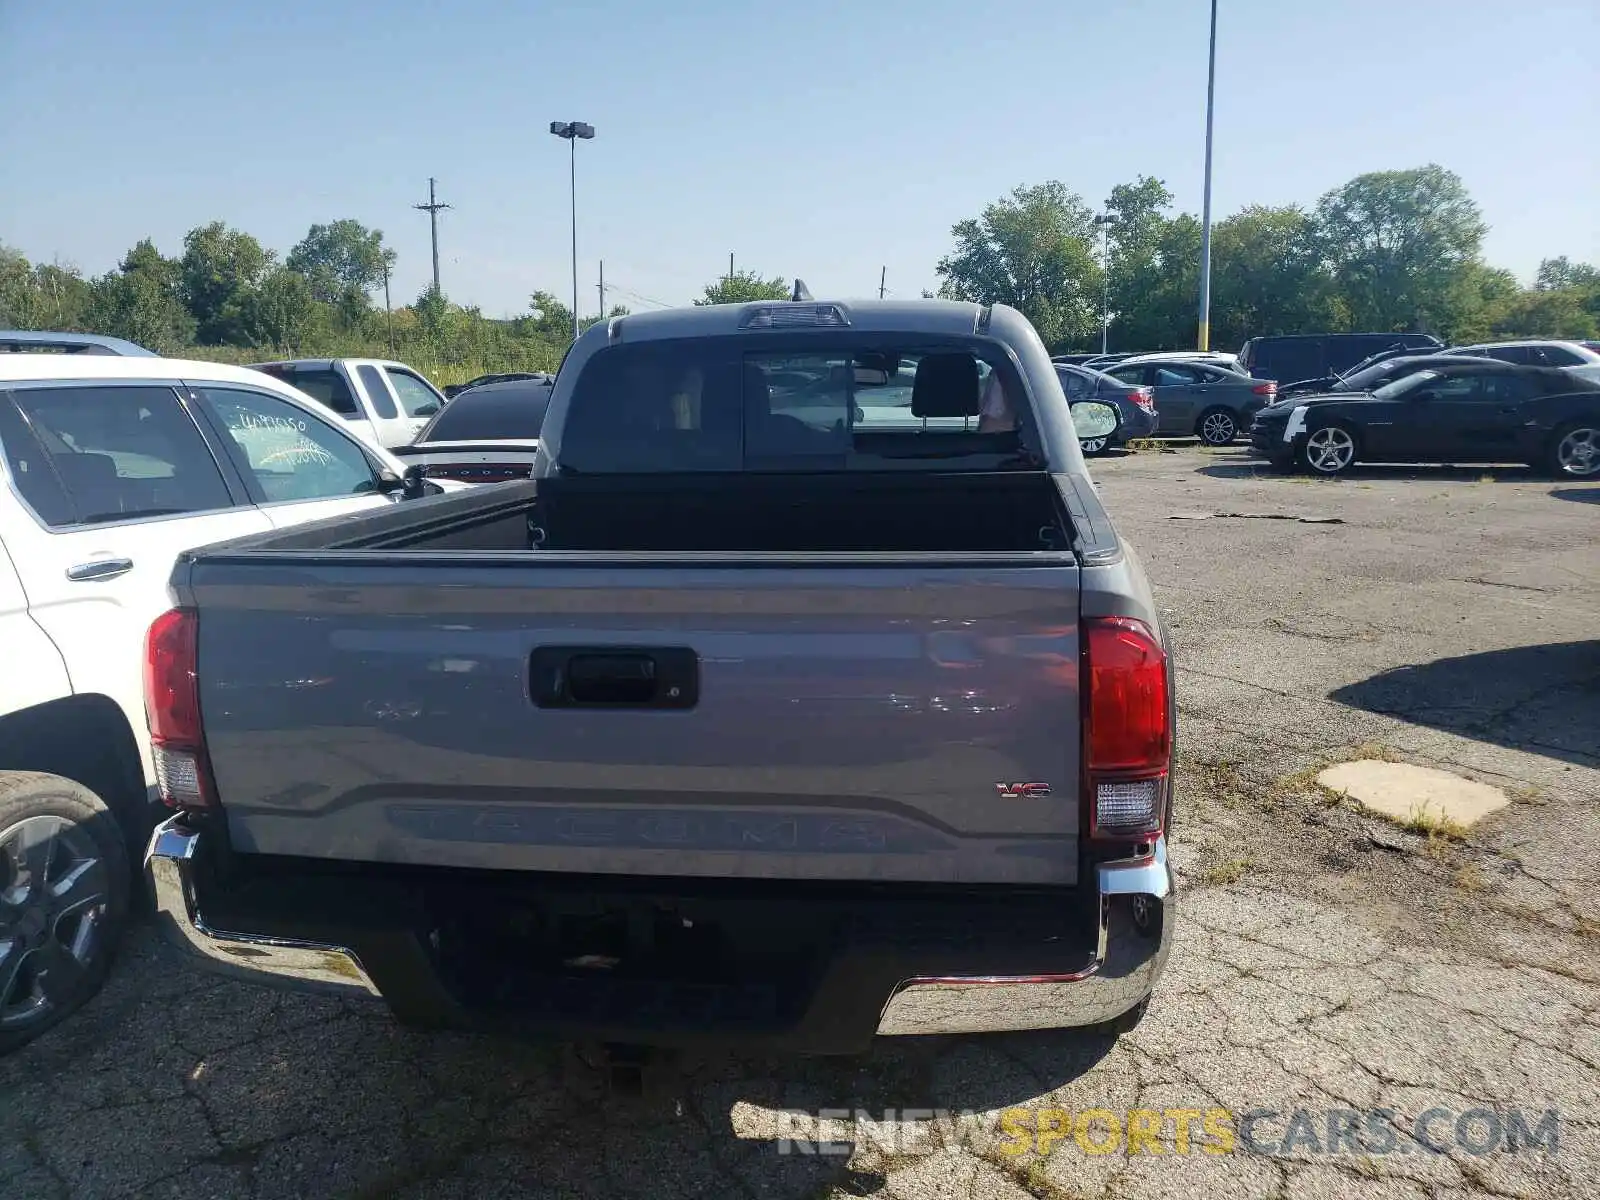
<point>323,384</point>
<point>737,404</point>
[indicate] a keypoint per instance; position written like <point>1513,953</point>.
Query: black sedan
<point>1473,411</point>
<point>486,434</point>
<point>1369,375</point>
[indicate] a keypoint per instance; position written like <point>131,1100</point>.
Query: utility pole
<point>883,278</point>
<point>730,266</point>
<point>1205,228</point>
<point>433,208</point>
<point>602,289</point>
<point>388,311</point>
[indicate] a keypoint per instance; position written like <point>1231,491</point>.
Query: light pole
<point>572,131</point>
<point>1105,221</point>
<point>1205,226</point>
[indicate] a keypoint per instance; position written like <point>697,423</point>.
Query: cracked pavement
<point>1323,960</point>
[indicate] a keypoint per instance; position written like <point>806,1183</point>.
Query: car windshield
<point>1359,380</point>
<point>1405,384</point>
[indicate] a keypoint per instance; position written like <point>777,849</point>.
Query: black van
<point>1291,358</point>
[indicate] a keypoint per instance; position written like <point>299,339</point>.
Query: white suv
<point>109,468</point>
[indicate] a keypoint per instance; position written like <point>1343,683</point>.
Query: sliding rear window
<point>808,404</point>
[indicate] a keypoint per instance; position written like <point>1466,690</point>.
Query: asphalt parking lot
<point>1327,963</point>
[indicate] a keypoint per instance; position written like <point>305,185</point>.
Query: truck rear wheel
<point>63,900</point>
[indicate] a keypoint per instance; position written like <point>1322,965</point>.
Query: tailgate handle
<point>615,677</point>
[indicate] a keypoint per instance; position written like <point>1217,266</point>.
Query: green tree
<point>1267,276</point>
<point>222,269</point>
<point>41,295</point>
<point>548,318</point>
<point>282,312</point>
<point>343,262</point>
<point>1398,244</point>
<point>142,300</point>
<point>1033,251</point>
<point>744,286</point>
<point>1138,213</point>
<point>1557,274</point>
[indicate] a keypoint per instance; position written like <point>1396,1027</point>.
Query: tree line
<point>228,297</point>
<point>1389,251</point>
<point>1392,250</point>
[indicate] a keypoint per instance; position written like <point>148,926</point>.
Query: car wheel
<point>1217,427</point>
<point>63,900</point>
<point>1093,446</point>
<point>1328,450</point>
<point>1575,451</point>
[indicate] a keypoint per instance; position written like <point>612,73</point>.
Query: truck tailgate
<point>872,720</point>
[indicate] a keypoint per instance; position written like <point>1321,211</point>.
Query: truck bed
<point>432,692</point>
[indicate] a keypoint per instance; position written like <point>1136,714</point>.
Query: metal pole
<point>883,277</point>
<point>433,226</point>
<point>388,312</point>
<point>1105,274</point>
<point>1205,228</point>
<point>572,143</point>
<point>602,289</point>
<point>730,266</point>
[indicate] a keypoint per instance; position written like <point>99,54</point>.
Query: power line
<point>613,286</point>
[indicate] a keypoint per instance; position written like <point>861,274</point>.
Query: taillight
<point>1127,735</point>
<point>1145,398</point>
<point>1269,388</point>
<point>172,710</point>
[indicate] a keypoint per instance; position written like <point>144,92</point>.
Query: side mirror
<point>388,482</point>
<point>414,485</point>
<point>1092,419</point>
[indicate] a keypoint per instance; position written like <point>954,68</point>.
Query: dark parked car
<point>1291,358</point>
<point>1472,411</point>
<point>1134,403</point>
<point>486,434</point>
<point>1534,353</point>
<point>40,341</point>
<point>1364,377</point>
<point>453,390</point>
<point>1072,360</point>
<point>1198,398</point>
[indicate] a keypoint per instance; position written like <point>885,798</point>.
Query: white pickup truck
<point>110,467</point>
<point>387,402</point>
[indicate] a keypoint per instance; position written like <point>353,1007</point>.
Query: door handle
<point>615,677</point>
<point>99,568</point>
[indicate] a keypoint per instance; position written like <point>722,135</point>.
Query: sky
<point>826,139</point>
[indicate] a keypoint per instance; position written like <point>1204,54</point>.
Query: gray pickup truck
<point>764,714</point>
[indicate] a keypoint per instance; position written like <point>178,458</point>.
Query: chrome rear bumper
<point>172,865</point>
<point>1135,937</point>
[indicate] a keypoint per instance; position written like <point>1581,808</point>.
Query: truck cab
<point>387,402</point>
